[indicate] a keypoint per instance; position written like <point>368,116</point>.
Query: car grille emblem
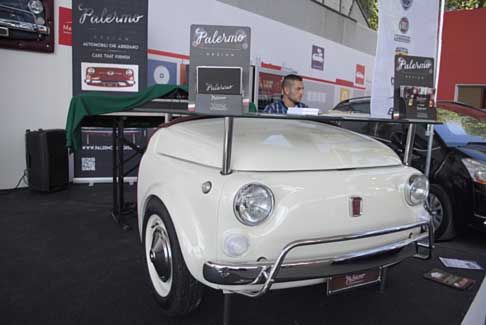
<point>355,206</point>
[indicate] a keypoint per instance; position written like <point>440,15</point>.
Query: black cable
<point>22,178</point>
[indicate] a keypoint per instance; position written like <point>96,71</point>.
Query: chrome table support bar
<point>407,157</point>
<point>227,308</point>
<point>430,133</point>
<point>228,142</point>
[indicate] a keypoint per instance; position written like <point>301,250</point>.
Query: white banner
<point>331,71</point>
<point>406,27</point>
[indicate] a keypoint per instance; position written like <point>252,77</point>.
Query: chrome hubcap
<point>436,210</point>
<point>160,254</point>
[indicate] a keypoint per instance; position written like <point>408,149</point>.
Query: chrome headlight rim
<point>35,6</point>
<point>414,179</point>
<point>237,213</point>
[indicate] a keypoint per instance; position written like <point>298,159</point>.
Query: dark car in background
<point>23,19</point>
<point>458,167</point>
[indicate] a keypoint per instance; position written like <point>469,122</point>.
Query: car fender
<point>195,222</point>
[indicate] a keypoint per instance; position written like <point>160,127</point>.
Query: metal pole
<point>430,133</point>
<point>227,308</point>
<point>121,199</point>
<point>407,157</point>
<point>228,141</point>
<point>439,46</point>
<point>115,171</point>
<point>384,275</point>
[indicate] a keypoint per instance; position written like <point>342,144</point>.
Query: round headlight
<point>35,6</point>
<point>416,189</point>
<point>253,204</point>
<point>91,70</point>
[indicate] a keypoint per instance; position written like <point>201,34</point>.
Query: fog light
<point>235,245</point>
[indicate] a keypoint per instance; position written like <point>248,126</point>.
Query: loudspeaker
<point>47,160</point>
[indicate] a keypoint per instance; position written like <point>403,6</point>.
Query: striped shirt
<point>278,107</point>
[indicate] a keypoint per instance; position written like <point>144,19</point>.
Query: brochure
<point>462,264</point>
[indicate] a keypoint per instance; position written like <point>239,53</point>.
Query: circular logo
<point>406,4</point>
<point>403,25</point>
<point>161,75</point>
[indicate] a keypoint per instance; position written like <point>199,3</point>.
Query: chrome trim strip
<point>382,249</point>
<point>268,272</point>
<point>479,216</point>
<point>28,27</point>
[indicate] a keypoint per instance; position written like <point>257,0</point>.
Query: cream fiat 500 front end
<point>305,203</point>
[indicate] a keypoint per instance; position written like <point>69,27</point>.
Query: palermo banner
<point>109,39</point>
<point>406,27</point>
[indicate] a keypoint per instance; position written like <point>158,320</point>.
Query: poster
<point>414,94</point>
<point>109,40</point>
<point>220,65</point>
<point>95,158</point>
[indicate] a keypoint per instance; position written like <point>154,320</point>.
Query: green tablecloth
<point>95,104</point>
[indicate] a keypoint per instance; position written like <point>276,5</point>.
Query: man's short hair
<point>289,79</point>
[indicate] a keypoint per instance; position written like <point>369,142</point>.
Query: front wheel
<point>440,209</point>
<point>174,288</point>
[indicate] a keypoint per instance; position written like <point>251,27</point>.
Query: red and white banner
<point>405,27</point>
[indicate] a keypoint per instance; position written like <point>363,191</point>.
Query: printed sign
<point>318,95</point>
<point>220,59</point>
<point>219,80</point>
<point>414,92</point>
<point>344,93</point>
<point>94,159</point>
<point>317,57</point>
<point>269,88</point>
<point>161,72</point>
<point>405,27</point>
<point>109,46</point>
<point>65,26</point>
<point>360,75</point>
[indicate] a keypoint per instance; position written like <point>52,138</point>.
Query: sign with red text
<point>65,26</point>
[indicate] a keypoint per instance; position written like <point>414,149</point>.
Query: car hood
<point>273,145</point>
<point>475,151</point>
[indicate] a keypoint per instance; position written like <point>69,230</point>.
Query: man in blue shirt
<point>292,93</point>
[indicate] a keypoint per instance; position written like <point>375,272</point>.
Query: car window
<point>363,107</point>
<point>460,129</point>
<point>343,108</point>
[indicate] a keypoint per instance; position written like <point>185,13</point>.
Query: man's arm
<point>270,108</point>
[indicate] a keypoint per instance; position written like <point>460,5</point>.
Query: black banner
<point>414,93</point>
<point>94,159</point>
<point>109,46</point>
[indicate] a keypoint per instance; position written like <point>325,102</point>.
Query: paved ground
<point>63,261</point>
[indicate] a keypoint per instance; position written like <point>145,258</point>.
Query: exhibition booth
<point>240,152</point>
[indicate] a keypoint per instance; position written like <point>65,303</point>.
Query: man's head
<point>292,89</point>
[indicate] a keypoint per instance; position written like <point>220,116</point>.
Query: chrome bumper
<point>265,274</point>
